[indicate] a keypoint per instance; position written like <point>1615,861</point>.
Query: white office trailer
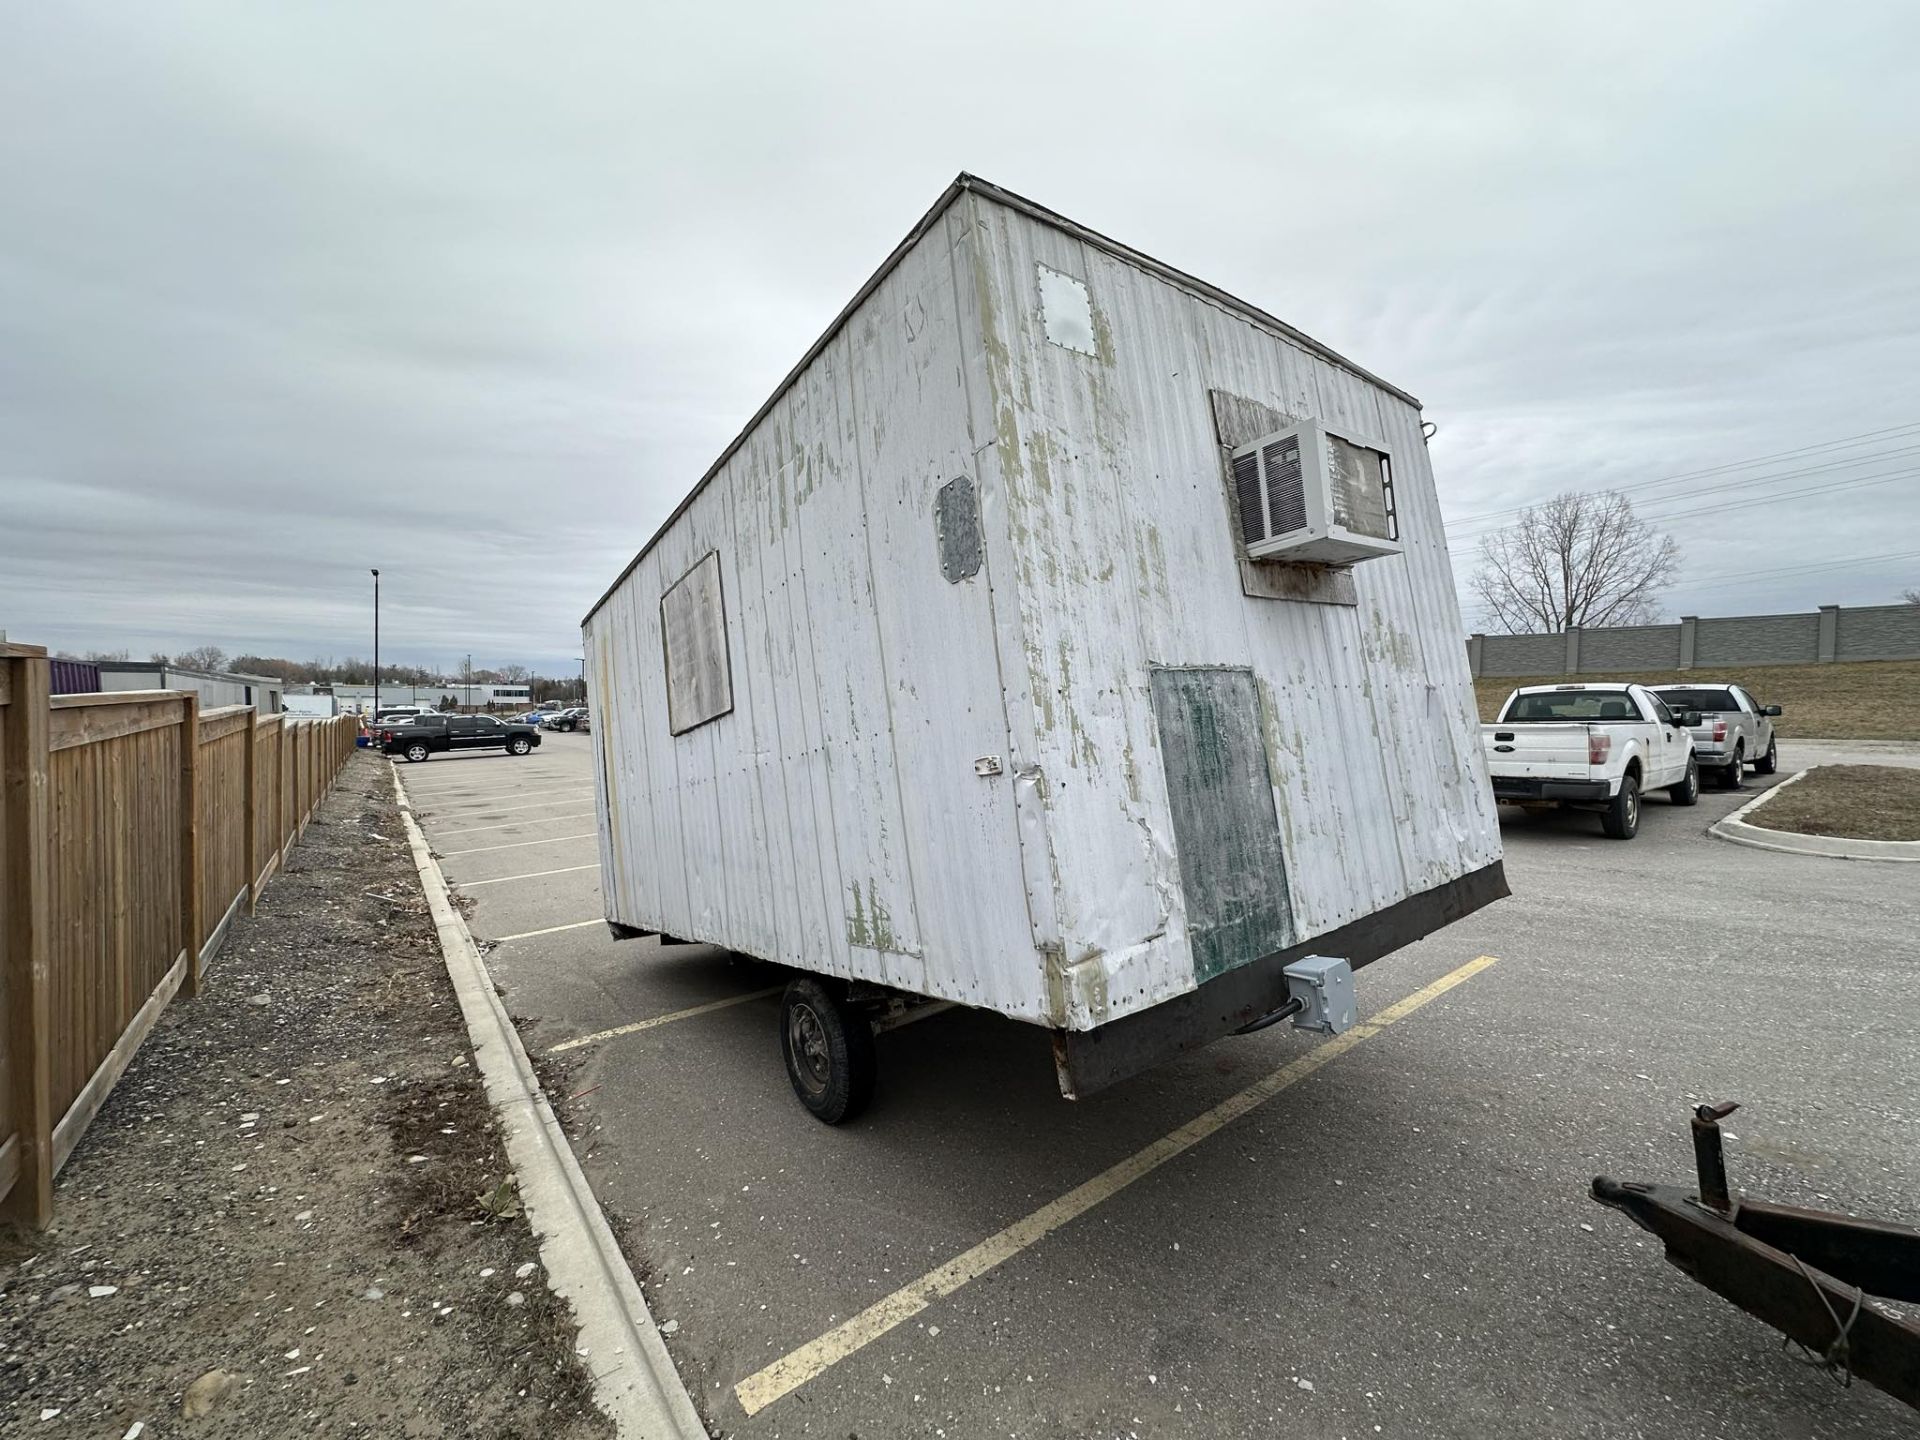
<point>1064,638</point>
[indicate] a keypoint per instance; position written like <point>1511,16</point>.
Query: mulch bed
<point>1853,802</point>
<point>295,1211</point>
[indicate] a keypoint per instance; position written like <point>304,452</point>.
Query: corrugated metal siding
<point>1629,647</point>
<point>833,821</point>
<point>73,677</point>
<point>1121,542</point>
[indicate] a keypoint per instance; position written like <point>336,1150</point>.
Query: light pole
<point>469,682</point>
<point>376,642</point>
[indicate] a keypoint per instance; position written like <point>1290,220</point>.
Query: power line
<point>1694,582</point>
<point>1766,577</point>
<point>1857,483</point>
<point>1745,482</point>
<point>1860,482</point>
<point>1839,444</point>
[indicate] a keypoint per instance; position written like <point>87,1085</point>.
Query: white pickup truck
<point>1597,747</point>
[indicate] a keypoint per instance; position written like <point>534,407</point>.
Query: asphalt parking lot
<point>1389,1238</point>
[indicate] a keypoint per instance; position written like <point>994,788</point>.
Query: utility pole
<point>376,643</point>
<point>469,682</point>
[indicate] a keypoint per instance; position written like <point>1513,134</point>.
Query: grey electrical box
<point>1324,986</point>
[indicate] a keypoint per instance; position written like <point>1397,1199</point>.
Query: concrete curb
<point>645,1400</point>
<point>1736,830</point>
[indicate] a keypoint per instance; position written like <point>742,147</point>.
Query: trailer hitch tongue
<point>1709,1161</point>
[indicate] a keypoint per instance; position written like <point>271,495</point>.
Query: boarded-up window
<point>693,631</point>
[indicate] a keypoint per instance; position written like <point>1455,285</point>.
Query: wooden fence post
<point>280,792</point>
<point>190,836</point>
<point>24,934</point>
<point>253,808</point>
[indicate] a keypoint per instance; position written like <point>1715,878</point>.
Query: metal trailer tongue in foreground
<point>1064,638</point>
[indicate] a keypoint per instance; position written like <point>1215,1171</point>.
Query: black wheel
<point>519,745</point>
<point>1736,772</point>
<point>1768,763</point>
<point>828,1047</point>
<point>1622,819</point>
<point>416,752</point>
<point>1687,792</point>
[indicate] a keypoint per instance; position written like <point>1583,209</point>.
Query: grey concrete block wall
<point>1630,647</point>
<point>1863,632</point>
<point>1524,655</point>
<point>1757,640</point>
<point>1879,632</point>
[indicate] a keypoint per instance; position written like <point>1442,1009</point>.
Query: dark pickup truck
<point>426,735</point>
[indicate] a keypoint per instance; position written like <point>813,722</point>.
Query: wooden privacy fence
<point>133,827</point>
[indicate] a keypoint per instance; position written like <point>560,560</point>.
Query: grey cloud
<point>475,292</point>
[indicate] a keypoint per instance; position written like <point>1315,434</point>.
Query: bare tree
<point>1582,558</point>
<point>202,657</point>
<point>98,657</point>
<point>515,674</point>
<point>1912,597</point>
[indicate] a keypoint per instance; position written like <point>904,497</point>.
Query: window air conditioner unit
<point>1306,494</point>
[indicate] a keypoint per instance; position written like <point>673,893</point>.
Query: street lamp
<point>376,642</point>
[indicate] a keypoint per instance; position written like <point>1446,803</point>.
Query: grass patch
<point>1852,802</point>
<point>1865,700</point>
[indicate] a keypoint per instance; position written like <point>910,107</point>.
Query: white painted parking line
<point>789,1373</point>
<point>530,875</point>
<point>550,930</point>
<point>659,1020</point>
<point>518,844</point>
<point>514,824</point>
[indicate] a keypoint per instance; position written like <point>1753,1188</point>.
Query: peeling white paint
<point>836,820</point>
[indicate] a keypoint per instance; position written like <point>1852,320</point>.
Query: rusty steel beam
<point>1810,1274</point>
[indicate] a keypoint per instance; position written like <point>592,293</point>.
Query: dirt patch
<point>1852,802</point>
<point>1863,700</point>
<point>298,1183</point>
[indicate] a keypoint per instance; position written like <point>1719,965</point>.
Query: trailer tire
<point>828,1047</point>
<point>1622,818</point>
<point>1687,792</point>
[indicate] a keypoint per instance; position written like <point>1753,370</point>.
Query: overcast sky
<point>474,292</point>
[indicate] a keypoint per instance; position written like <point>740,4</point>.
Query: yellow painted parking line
<point>790,1372</point>
<point>660,1020</point>
<point>530,875</point>
<point>517,844</point>
<point>513,824</point>
<point>550,930</point>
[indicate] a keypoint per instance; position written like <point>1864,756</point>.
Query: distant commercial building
<point>215,688</point>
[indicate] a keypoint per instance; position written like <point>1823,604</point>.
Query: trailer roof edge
<point>963,183</point>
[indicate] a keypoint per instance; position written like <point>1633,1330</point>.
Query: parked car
<point>1735,730</point>
<point>399,714</point>
<point>1591,747</point>
<point>574,717</point>
<point>427,735</point>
